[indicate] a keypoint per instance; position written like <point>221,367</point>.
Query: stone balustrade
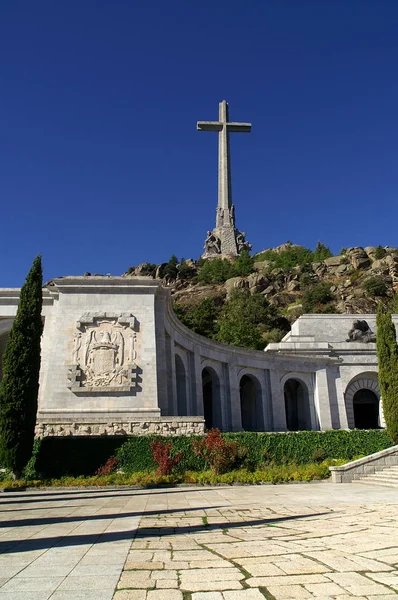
<point>367,465</point>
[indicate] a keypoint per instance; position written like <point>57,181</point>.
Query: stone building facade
<point>116,360</point>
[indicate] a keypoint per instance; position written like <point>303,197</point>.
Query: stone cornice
<point>225,350</point>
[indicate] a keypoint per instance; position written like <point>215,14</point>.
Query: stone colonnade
<point>173,380</point>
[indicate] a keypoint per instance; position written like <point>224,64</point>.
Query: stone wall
<point>167,426</point>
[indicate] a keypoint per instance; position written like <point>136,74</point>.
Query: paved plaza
<point>316,540</point>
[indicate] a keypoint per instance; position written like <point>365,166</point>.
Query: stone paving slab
<point>284,542</point>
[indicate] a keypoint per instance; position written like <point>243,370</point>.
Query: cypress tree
<point>387,354</point>
<point>395,303</point>
<point>20,383</point>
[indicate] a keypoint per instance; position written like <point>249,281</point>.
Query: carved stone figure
<point>241,242</point>
<point>212,244</point>
<point>104,352</point>
<point>361,332</point>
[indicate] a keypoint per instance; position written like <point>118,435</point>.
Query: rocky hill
<point>279,284</point>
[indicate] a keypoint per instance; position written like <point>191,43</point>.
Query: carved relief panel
<point>104,353</point>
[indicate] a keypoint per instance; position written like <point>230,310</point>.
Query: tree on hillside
<point>170,269</point>
<point>201,318</point>
<point>244,319</point>
<point>387,354</point>
<point>244,264</point>
<point>321,252</point>
<point>20,383</point>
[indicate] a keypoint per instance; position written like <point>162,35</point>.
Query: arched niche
<point>297,405</point>
<point>362,399</point>
<point>181,386</point>
<point>251,403</point>
<point>211,398</point>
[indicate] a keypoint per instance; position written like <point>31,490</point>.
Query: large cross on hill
<point>224,128</point>
<point>225,239</point>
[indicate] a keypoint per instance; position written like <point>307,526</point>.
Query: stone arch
<point>211,386</point>
<point>362,401</point>
<point>298,396</point>
<point>251,405</point>
<point>181,386</point>
<point>306,395</point>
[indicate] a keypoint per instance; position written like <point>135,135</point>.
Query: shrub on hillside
<point>216,270</point>
<point>201,318</point>
<point>244,264</point>
<point>318,298</point>
<point>294,256</point>
<point>245,318</point>
<point>380,252</point>
<point>375,286</point>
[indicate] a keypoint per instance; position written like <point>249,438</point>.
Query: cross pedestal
<point>225,239</point>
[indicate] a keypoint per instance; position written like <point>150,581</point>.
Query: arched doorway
<point>211,398</point>
<point>181,381</point>
<point>366,409</point>
<point>250,404</point>
<point>298,416</point>
<point>362,400</point>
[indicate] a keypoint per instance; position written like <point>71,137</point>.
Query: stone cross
<point>224,127</point>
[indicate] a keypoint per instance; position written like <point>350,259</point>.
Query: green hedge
<point>300,447</point>
<point>83,455</point>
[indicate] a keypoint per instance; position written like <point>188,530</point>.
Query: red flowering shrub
<point>219,453</point>
<point>161,454</point>
<point>109,467</point>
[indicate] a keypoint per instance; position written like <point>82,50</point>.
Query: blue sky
<point>101,164</point>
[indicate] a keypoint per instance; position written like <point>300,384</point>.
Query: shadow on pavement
<point>16,546</point>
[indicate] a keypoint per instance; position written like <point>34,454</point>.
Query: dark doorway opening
<point>181,380</point>
<point>366,409</point>
<point>251,404</point>
<point>297,408</point>
<point>211,398</point>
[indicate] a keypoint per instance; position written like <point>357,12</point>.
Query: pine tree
<point>387,354</point>
<point>20,384</point>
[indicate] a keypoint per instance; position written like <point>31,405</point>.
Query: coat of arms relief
<point>104,353</point>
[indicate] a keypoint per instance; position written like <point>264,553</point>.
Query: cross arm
<point>209,126</point>
<point>239,127</point>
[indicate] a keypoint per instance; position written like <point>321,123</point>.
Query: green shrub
<point>294,256</point>
<point>375,286</point>
<point>317,298</point>
<point>244,264</point>
<point>216,270</point>
<point>321,252</point>
<point>380,252</point>
<point>201,318</point>
<point>271,474</point>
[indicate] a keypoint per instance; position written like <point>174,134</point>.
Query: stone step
<point>364,481</point>
<point>380,478</point>
<point>387,477</point>
<point>386,473</point>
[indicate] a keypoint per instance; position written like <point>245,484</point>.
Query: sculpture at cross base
<point>225,239</point>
